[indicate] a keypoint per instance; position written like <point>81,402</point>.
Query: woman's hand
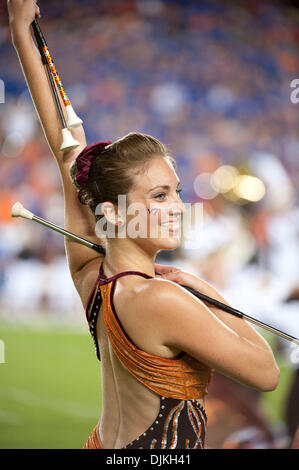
<point>22,13</point>
<point>184,278</point>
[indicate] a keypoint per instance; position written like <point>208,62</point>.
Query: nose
<point>181,205</point>
<point>177,207</point>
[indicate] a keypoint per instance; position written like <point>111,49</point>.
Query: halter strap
<point>103,279</point>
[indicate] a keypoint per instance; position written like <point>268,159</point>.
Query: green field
<point>50,388</point>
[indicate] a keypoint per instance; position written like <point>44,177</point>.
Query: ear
<point>111,215</point>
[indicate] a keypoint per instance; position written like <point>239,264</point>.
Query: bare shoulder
<point>135,300</point>
<point>159,303</point>
<point>164,297</point>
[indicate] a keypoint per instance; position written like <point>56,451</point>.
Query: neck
<point>126,255</point>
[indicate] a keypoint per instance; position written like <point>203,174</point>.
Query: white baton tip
<point>18,210</point>
<point>72,119</point>
<point>68,142</point>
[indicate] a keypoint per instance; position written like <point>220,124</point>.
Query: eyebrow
<point>163,186</point>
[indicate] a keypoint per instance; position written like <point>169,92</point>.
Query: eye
<point>179,191</point>
<point>160,196</point>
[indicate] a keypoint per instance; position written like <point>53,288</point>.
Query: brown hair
<point>112,171</point>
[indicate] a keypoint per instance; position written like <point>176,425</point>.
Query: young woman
<point>157,343</point>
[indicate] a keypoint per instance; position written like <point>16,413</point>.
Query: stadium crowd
<point>211,79</point>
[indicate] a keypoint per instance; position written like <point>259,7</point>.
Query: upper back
<point>136,366</point>
<point>133,332</point>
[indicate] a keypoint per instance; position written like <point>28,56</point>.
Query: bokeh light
<point>203,187</point>
<point>224,178</point>
<point>250,188</point>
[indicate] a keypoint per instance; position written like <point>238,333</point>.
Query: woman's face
<point>154,207</point>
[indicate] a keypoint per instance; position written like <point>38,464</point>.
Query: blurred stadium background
<point>212,80</point>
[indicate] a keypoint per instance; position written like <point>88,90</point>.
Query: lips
<point>172,225</point>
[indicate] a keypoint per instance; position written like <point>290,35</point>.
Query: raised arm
<point>78,218</point>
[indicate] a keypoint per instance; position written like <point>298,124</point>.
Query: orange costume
<point>181,421</point>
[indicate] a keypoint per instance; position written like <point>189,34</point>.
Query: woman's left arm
<point>241,326</point>
<point>78,218</point>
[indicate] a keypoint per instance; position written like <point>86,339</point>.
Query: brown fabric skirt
<point>93,442</point>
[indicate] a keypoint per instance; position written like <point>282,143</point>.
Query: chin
<point>155,245</point>
<point>170,243</point>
